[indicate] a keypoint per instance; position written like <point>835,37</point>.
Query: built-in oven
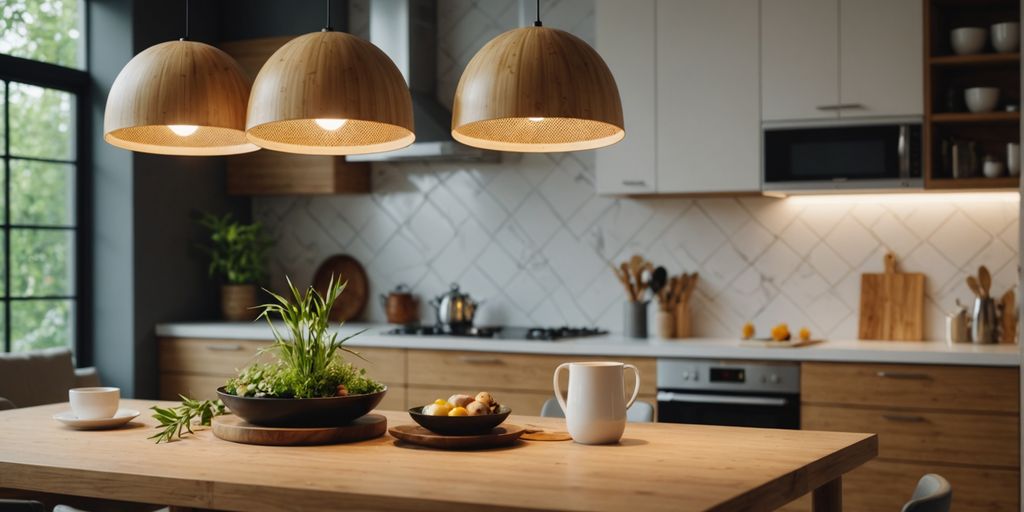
<point>736,393</point>
<point>865,155</point>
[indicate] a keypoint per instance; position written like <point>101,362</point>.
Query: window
<point>43,146</point>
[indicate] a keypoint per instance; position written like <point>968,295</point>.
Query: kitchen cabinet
<point>832,59</point>
<point>687,73</point>
<point>961,422</point>
<point>626,41</point>
<point>708,128</point>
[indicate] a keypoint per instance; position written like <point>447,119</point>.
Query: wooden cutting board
<point>232,428</point>
<point>502,435</point>
<point>353,299</point>
<point>892,304</point>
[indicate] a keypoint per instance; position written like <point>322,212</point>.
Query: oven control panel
<point>775,377</point>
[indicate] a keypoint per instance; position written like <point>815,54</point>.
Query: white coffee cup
<point>596,408</point>
<point>1006,36</point>
<point>94,403</point>
<point>968,40</point>
<point>981,99</point>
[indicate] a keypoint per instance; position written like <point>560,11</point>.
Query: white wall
<point>530,237</point>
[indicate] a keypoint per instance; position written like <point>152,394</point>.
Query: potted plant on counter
<point>310,385</point>
<point>238,254</point>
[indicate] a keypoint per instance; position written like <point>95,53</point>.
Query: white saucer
<point>121,417</point>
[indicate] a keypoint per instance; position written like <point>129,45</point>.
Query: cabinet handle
<point>634,183</point>
<point>904,375</point>
<point>224,348</point>
<point>839,106</point>
<point>481,360</point>
<point>906,418</point>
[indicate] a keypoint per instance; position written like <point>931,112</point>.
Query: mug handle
<point>558,390</point>
<point>636,390</point>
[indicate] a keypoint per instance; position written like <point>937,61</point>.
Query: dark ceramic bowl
<point>301,412</point>
<point>459,425</point>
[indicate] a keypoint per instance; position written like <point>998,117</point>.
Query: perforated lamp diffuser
<point>179,98</point>
<point>537,89</point>
<point>330,93</point>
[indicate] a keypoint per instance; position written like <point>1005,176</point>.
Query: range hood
<point>406,30</point>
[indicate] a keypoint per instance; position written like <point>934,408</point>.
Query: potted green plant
<point>238,254</point>
<point>310,384</point>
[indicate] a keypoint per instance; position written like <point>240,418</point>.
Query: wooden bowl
<point>301,412</point>
<point>459,425</point>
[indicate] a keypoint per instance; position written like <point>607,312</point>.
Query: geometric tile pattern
<point>529,236</point>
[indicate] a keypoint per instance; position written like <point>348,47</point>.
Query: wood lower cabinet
<point>961,422</point>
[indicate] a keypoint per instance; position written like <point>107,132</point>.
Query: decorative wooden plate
<point>353,300</point>
<point>232,428</point>
<point>502,435</point>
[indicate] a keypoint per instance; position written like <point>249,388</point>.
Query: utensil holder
<point>666,324</point>
<point>984,321</point>
<point>634,323</point>
<point>682,316</point>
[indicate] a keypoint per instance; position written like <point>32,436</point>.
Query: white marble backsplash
<point>529,236</point>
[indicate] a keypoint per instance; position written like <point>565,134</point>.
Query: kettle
<point>455,310</point>
<point>400,306</point>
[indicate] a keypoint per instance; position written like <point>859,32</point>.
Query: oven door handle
<point>701,398</point>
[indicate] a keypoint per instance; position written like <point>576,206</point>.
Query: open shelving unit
<point>946,76</point>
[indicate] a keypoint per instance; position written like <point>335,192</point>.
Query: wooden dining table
<point>656,466</point>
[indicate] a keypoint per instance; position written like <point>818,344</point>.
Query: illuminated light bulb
<point>183,130</point>
<point>330,124</point>
<point>535,119</point>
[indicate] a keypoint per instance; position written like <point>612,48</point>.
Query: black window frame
<point>77,82</point>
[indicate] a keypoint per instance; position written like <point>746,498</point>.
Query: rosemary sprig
<point>176,421</point>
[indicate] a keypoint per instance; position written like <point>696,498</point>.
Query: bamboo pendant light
<point>536,90</point>
<point>179,98</point>
<point>330,93</point>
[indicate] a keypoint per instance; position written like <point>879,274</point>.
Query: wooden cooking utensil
<point>631,288</point>
<point>892,304</point>
<point>972,283</point>
<point>692,285</point>
<point>1009,319</point>
<point>985,280</point>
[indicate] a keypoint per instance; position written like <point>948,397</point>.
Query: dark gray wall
<point>250,19</point>
<point>146,267</point>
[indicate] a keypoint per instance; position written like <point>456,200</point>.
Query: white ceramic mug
<point>94,403</point>
<point>596,409</point>
<point>1006,36</point>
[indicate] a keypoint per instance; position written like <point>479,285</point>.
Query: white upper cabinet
<point>881,57</point>
<point>708,121</point>
<point>799,59</point>
<point>625,39</point>
<point>827,59</point>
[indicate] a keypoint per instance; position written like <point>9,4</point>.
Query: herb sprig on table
<point>176,421</point>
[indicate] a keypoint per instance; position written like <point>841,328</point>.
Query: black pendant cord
<point>538,23</point>
<point>327,26</point>
<point>185,37</point>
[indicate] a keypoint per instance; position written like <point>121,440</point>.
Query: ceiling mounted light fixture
<point>179,98</point>
<point>536,90</point>
<point>330,93</point>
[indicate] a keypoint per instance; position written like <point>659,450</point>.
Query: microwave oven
<point>829,157</point>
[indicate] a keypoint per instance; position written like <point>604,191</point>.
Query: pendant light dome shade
<point>330,93</point>
<point>537,89</point>
<point>179,98</point>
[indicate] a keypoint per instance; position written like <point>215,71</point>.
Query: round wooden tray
<point>232,428</point>
<point>502,435</point>
<point>353,300</point>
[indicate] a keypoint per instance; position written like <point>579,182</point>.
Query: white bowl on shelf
<point>968,40</point>
<point>1006,36</point>
<point>981,99</point>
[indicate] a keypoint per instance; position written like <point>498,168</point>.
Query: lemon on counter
<point>748,331</point>
<point>780,332</point>
<point>805,334</point>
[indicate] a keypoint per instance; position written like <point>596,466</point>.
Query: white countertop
<point>926,352</point>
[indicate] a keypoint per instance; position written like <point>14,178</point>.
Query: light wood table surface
<point>657,466</point>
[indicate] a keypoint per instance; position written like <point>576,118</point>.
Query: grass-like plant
<point>310,363</point>
<point>237,251</point>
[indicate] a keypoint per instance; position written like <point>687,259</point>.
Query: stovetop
<point>501,332</point>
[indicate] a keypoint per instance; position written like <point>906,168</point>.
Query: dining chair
<point>639,412</point>
<point>933,494</point>
<point>41,377</point>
